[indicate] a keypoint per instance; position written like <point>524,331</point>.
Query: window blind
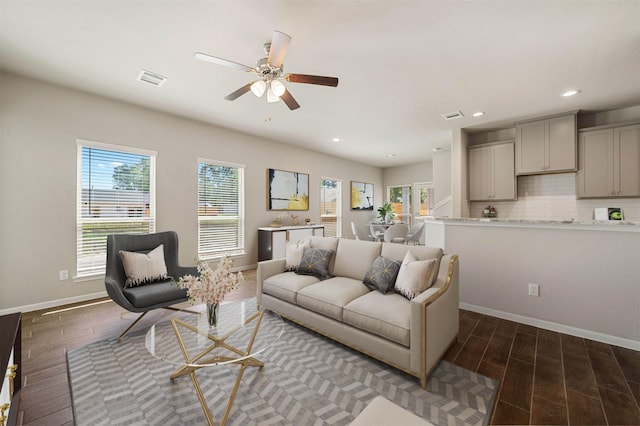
<point>220,209</point>
<point>116,195</point>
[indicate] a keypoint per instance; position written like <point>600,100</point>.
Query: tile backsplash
<point>553,197</point>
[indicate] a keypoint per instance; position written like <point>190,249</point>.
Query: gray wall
<point>39,125</point>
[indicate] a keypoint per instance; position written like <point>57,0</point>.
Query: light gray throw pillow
<point>142,268</point>
<point>415,276</point>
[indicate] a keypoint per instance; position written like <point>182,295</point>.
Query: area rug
<point>307,380</point>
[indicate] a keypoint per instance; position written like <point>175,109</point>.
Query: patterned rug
<point>307,380</point>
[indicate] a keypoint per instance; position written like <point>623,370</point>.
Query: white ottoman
<point>382,412</point>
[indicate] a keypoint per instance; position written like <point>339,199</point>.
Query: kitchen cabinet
<point>491,172</point>
<point>546,146</point>
<point>609,163</point>
<point>272,241</point>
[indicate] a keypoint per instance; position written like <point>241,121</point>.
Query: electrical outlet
<point>64,275</point>
<point>534,289</point>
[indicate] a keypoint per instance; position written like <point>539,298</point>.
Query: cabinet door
<point>296,235</point>
<point>530,147</point>
<point>561,148</point>
<point>626,165</point>
<point>504,179</point>
<point>480,173</point>
<point>595,174</point>
<point>278,244</point>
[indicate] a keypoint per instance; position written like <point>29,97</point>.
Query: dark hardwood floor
<point>546,377</point>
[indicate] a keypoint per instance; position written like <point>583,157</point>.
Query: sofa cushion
<point>330,296</point>
<point>399,251</point>
<point>354,257</point>
<point>415,276</point>
<point>142,268</point>
<point>326,243</point>
<point>385,315</point>
<point>286,286</point>
<point>382,274</point>
<point>293,254</point>
<point>315,262</point>
<point>152,294</point>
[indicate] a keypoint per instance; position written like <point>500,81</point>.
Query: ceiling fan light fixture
<point>277,88</point>
<point>272,97</point>
<point>258,88</point>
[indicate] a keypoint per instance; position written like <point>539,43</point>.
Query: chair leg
<point>131,326</point>
<point>171,308</point>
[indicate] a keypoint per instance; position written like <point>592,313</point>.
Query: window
<point>330,207</point>
<point>116,195</point>
<point>220,209</point>
<point>424,195</point>
<point>400,199</point>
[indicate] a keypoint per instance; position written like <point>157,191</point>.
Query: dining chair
<point>415,233</point>
<point>359,233</point>
<point>377,232</point>
<point>396,233</point>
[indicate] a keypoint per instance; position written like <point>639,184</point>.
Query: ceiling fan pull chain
<point>267,117</point>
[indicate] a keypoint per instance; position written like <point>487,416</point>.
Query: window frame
<point>81,221</point>
<point>338,214</point>
<point>408,213</point>
<point>239,250</point>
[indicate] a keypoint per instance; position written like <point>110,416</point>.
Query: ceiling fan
<point>270,73</point>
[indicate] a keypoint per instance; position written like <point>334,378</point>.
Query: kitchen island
<point>588,273</point>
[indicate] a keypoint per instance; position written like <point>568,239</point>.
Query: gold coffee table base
<point>244,360</point>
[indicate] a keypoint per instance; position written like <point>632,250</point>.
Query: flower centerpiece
<point>211,286</point>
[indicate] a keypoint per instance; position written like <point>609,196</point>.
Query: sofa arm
<point>266,269</point>
<point>435,317</point>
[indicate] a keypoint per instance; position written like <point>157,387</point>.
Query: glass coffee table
<point>186,340</point>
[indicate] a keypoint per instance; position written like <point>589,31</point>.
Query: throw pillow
<point>293,254</point>
<point>415,276</point>
<point>382,274</point>
<point>142,268</point>
<point>315,262</point>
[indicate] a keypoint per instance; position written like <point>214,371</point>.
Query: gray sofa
<point>411,335</point>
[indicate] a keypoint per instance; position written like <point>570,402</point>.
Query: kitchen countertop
<point>609,225</point>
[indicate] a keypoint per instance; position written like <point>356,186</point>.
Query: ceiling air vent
<point>151,78</point>
<point>453,115</point>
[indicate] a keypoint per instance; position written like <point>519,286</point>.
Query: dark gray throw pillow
<point>315,262</point>
<point>382,274</point>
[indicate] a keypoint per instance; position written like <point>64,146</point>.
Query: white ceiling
<point>401,64</point>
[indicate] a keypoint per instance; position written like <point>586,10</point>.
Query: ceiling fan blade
<point>223,62</point>
<point>241,91</point>
<point>279,45</point>
<point>312,79</point>
<point>289,100</point>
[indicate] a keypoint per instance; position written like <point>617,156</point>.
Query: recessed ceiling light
<point>391,156</point>
<point>478,114</point>
<point>570,93</point>
<point>336,139</point>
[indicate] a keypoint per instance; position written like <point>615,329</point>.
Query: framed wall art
<point>361,196</point>
<point>287,190</point>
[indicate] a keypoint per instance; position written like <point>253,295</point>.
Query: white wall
<point>588,278</point>
<point>39,125</point>
<point>442,184</point>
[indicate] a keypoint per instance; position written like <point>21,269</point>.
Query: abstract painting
<point>287,190</point>
<point>361,196</point>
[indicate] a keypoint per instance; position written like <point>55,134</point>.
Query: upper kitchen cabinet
<point>609,162</point>
<point>546,145</point>
<point>491,172</point>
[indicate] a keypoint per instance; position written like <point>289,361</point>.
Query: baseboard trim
<point>560,328</point>
<point>54,303</point>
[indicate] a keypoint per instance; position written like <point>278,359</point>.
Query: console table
<point>10,359</point>
<point>272,241</point>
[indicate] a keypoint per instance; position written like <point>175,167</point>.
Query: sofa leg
<point>131,326</point>
<point>423,382</point>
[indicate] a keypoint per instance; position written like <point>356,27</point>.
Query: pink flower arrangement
<point>211,286</point>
